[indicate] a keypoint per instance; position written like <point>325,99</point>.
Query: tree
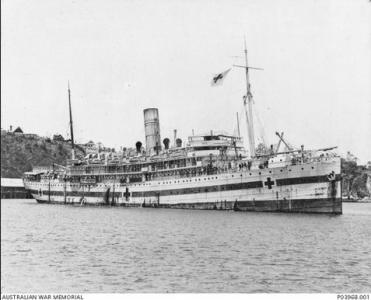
<point>58,138</point>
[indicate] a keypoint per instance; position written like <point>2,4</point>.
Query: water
<point>53,248</point>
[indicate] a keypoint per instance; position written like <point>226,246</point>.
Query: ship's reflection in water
<point>53,248</point>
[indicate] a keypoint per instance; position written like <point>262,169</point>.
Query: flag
<point>218,78</point>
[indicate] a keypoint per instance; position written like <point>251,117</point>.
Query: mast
<point>238,126</point>
<point>71,125</point>
<point>248,99</point>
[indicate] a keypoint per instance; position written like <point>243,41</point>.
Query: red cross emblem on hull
<point>127,194</point>
<point>269,183</point>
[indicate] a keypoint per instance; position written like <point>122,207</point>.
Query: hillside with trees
<point>355,180</point>
<point>21,152</point>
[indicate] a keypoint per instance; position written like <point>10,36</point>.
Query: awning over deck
<point>33,173</point>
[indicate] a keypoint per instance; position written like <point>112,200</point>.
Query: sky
<point>121,57</point>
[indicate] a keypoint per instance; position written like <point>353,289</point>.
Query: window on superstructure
<point>211,137</point>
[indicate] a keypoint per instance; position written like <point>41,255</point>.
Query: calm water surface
<point>53,248</point>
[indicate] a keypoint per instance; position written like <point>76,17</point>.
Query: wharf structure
<point>13,188</point>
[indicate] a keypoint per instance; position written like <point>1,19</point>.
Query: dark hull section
<point>323,206</point>
<point>327,206</point>
<point>88,204</point>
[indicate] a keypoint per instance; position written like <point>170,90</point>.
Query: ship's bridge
<point>206,144</point>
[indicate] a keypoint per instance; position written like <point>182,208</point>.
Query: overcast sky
<point>123,56</point>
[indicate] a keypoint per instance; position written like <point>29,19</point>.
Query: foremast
<point>71,125</point>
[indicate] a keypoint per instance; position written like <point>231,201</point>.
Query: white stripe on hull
<point>298,191</point>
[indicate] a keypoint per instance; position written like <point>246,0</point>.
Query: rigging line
<point>234,126</point>
<point>242,129</point>
<point>260,125</point>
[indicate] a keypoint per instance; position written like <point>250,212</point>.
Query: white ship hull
<point>295,188</point>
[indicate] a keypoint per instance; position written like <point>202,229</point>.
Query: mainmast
<point>71,125</point>
<point>248,99</point>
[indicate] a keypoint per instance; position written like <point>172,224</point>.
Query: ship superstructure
<point>208,171</point>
